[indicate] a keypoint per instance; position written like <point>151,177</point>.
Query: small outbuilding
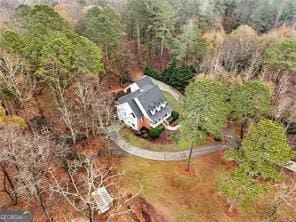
<point>103,199</point>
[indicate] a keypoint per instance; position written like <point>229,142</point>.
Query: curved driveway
<point>113,133</point>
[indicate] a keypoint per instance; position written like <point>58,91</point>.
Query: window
<point>133,115</point>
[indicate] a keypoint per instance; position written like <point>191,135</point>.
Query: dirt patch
<point>189,172</point>
<point>232,214</point>
<point>143,211</point>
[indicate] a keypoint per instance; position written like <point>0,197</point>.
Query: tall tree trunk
<point>189,158</point>
<point>12,195</point>
<point>242,129</point>
<point>139,44</point>
<point>90,213</point>
<point>22,180</point>
<point>38,106</point>
<point>186,53</point>
<point>161,52</point>
<point>107,52</point>
<point>232,205</point>
<point>42,204</point>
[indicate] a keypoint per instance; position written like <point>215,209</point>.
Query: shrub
<point>177,76</point>
<point>143,131</point>
<point>155,132</point>
<point>145,135</point>
<point>218,138</point>
<point>151,72</point>
<point>175,115</point>
<point>170,119</point>
<point>138,133</point>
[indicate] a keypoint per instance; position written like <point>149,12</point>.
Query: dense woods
<point>62,64</point>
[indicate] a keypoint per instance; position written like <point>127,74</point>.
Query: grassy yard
<point>165,142</point>
<point>184,198</point>
<point>159,144</point>
<point>172,101</point>
<point>156,146</point>
<point>130,137</point>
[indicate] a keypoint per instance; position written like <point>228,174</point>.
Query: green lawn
<point>135,140</point>
<point>172,101</point>
<point>130,137</point>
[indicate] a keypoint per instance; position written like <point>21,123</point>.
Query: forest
<point>63,66</point>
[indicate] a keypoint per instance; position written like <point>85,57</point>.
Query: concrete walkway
<point>114,134</point>
<point>172,128</point>
<point>154,155</point>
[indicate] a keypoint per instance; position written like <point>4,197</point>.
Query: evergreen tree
<point>205,109</point>
<point>239,188</point>
<point>282,55</point>
<point>152,21</point>
<point>264,152</point>
<point>250,101</point>
<point>103,26</point>
<point>190,46</point>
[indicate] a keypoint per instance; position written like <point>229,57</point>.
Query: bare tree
<point>95,102</point>
<point>59,82</point>
<point>284,197</point>
<point>86,175</point>
<point>15,78</point>
<point>85,107</point>
<point>32,156</point>
<point>8,184</point>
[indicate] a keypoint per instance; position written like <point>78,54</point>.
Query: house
<point>144,106</point>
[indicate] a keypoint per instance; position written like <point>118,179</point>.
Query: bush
<point>145,135</point>
<point>218,138</point>
<point>151,72</point>
<point>177,76</point>
<point>155,132</point>
<point>175,115</point>
<point>170,119</point>
<point>138,133</point>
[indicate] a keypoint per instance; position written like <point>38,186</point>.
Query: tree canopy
<point>48,40</point>
<point>251,99</point>
<point>282,55</point>
<point>43,15</point>
<point>264,150</point>
<point>205,109</point>
<point>239,188</point>
<point>71,52</point>
<point>174,75</point>
<point>154,21</point>
<point>190,46</point>
<point>103,25</point>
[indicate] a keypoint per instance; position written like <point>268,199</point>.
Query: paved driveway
<point>114,134</point>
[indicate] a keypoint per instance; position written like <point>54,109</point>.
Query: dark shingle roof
<point>135,108</point>
<point>153,98</point>
<point>144,81</point>
<point>150,96</point>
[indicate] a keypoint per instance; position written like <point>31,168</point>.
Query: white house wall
<point>124,112</point>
